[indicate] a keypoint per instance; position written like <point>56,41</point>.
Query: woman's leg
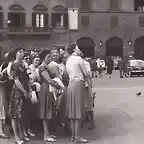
<point>14,127</point>
<point>1,129</point>
<point>77,128</point>
<point>72,128</point>
<point>45,127</point>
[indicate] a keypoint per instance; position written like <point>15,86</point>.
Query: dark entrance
<point>139,48</point>
<point>114,47</point>
<point>87,46</point>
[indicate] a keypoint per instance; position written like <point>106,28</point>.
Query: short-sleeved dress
<point>16,107</point>
<point>46,97</point>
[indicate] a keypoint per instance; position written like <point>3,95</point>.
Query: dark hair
<point>13,52</point>
<point>71,48</point>
<point>43,54</point>
<point>26,54</point>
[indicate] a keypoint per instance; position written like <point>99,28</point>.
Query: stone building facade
<point>116,27</point>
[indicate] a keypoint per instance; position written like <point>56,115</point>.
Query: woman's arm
<point>19,86</point>
<point>46,76</point>
<point>83,68</point>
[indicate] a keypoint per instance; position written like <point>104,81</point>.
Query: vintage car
<point>135,67</point>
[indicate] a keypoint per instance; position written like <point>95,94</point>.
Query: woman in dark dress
<point>46,98</point>
<point>19,94</point>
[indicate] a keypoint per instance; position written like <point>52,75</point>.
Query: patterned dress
<point>16,108</point>
<point>2,102</point>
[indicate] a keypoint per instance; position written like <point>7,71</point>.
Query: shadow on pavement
<point>109,124</point>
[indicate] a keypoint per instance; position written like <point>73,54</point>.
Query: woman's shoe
<point>4,136</point>
<point>53,136</point>
<point>25,134</point>
<point>72,139</point>
<point>26,139</point>
<point>50,139</point>
<point>19,142</point>
<point>80,140</point>
<point>31,134</point>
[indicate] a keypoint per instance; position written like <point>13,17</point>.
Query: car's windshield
<point>136,63</point>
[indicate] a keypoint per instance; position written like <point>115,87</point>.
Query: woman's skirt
<point>2,103</point>
<point>75,106</point>
<point>16,104</point>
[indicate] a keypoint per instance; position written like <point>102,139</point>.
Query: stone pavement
<point>119,115</point>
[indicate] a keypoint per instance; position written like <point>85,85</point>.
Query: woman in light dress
<point>75,106</point>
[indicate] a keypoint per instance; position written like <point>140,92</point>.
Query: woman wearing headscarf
<point>75,106</point>
<point>19,94</point>
<point>46,99</point>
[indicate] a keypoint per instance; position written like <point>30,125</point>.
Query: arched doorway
<point>114,47</point>
<point>139,48</point>
<point>87,46</point>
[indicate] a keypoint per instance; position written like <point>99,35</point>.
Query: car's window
<point>136,63</point>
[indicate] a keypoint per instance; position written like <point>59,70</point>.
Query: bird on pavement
<point>138,94</point>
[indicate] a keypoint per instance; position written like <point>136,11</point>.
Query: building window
<point>85,20</point>
<point>16,19</point>
<point>114,22</point>
<point>39,20</point>
<point>59,20</point>
<point>139,5</point>
<point>141,21</point>
<point>114,5</point>
<point>85,5</point>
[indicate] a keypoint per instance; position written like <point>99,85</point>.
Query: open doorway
<point>139,48</point>
<point>114,47</point>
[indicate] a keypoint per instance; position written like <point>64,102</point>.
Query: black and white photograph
<point>71,71</point>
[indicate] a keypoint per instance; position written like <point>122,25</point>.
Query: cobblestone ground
<point>119,116</point>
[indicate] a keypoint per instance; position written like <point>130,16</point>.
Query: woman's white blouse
<point>73,67</point>
<point>34,72</point>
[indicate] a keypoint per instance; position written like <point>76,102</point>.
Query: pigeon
<point>138,94</point>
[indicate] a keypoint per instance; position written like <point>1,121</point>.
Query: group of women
<point>25,94</point>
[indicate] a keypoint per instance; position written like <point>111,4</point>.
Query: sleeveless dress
<point>16,107</point>
<point>46,98</point>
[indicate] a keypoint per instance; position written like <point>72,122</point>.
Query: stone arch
<point>15,7</point>
<point>139,48</point>
<point>59,8</point>
<point>87,46</point>
<point>40,7</point>
<point>114,47</point>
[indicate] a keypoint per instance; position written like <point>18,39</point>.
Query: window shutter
<point>84,20</point>
<point>46,20</point>
<point>22,19</point>
<point>34,20</point>
<point>114,21</point>
<point>53,20</point>
<point>10,18</point>
<point>141,21</point>
<point>66,20</point>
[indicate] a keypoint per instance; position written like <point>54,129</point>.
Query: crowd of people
<point>52,85</point>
